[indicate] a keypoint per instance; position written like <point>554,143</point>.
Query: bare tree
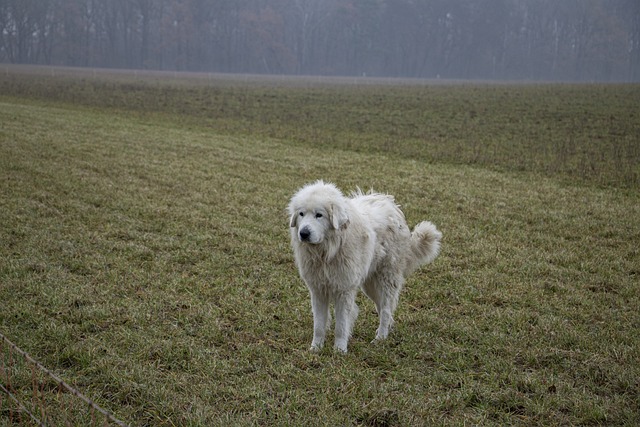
<point>498,39</point>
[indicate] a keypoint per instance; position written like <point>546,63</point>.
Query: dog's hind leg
<point>321,319</point>
<point>346,314</point>
<point>388,291</point>
<point>374,289</point>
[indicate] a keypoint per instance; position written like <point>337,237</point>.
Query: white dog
<point>342,244</point>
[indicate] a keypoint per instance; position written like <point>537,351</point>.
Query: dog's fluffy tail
<point>425,246</point>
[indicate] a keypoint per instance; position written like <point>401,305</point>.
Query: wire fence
<point>30,394</point>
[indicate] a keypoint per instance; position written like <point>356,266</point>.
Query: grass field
<point>144,253</point>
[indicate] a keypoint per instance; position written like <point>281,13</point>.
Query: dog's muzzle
<point>304,234</point>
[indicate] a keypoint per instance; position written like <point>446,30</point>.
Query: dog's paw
<point>340,345</point>
<point>382,333</point>
<point>340,349</point>
<point>315,348</point>
<point>380,336</point>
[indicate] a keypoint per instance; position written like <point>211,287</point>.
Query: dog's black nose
<point>305,234</point>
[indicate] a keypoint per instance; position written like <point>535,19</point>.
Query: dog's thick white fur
<point>342,244</point>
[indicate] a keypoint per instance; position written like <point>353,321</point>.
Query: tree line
<point>577,40</point>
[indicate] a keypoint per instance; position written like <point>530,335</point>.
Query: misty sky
<point>568,40</point>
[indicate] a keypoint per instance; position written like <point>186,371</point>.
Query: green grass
<point>144,251</point>
<point>586,132</point>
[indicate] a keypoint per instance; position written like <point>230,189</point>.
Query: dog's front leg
<point>320,308</point>
<point>346,314</point>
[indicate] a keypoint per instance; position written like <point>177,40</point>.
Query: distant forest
<point>567,40</point>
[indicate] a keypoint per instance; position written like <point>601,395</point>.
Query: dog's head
<point>317,210</point>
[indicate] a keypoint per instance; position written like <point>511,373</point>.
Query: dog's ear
<point>294,220</point>
<point>339,217</point>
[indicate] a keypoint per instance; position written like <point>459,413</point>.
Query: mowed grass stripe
<point>587,133</point>
<point>148,263</point>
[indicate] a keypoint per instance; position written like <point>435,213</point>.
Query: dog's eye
<point>301,213</point>
<point>318,215</point>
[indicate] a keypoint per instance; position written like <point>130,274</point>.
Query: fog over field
<point>536,40</point>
